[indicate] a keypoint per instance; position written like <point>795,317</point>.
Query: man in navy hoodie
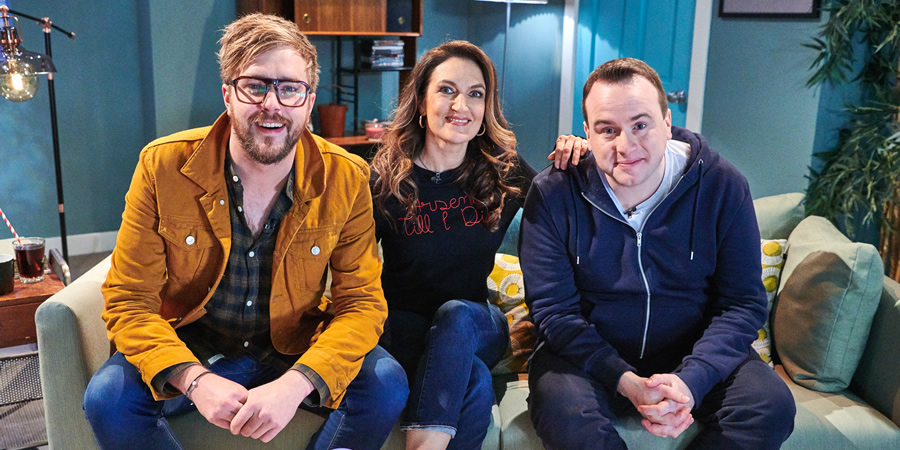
<point>642,272</point>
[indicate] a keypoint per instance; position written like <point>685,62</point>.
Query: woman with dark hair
<point>446,184</point>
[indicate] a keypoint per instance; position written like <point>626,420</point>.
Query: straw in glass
<point>11,227</point>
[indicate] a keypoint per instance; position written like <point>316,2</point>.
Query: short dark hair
<point>622,70</point>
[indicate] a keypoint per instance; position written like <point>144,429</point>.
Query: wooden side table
<point>17,310</point>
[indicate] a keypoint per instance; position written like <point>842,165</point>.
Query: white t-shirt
<point>676,159</point>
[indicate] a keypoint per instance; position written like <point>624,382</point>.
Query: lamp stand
<point>48,26</point>
<point>51,90</point>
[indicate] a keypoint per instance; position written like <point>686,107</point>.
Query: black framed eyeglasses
<point>253,91</point>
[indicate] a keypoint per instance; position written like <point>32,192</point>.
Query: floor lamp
<point>506,35</point>
<point>19,69</point>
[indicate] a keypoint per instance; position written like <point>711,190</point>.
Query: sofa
<point>866,414</point>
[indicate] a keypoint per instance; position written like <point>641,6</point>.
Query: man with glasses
<point>214,300</point>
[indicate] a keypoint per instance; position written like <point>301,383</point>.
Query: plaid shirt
<point>237,315</point>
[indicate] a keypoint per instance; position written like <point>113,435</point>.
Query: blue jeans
<point>122,413</point>
<point>449,358</point>
<point>570,409</point>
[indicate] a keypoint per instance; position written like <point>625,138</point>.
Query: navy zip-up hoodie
<point>683,295</point>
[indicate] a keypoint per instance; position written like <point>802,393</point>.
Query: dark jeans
<point>123,414</point>
<point>449,358</point>
<point>751,409</point>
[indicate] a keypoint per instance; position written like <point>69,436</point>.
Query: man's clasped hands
<point>663,400</point>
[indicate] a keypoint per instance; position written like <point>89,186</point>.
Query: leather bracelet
<point>193,385</point>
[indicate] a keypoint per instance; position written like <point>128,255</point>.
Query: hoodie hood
<point>587,177</point>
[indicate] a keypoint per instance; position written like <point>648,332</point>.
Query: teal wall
<point>143,69</point>
<point>101,128</point>
<point>139,70</point>
<point>758,112</point>
<point>531,103</point>
<point>136,71</point>
<point>180,39</point>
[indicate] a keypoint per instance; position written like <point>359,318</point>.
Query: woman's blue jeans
<point>122,413</point>
<point>449,360</point>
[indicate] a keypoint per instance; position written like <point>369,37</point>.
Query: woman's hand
<point>569,146</point>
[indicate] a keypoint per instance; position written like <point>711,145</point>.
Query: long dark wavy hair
<point>486,170</point>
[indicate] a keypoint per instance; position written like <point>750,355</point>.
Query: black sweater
<point>445,252</point>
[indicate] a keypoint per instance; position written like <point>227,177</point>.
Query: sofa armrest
<point>72,343</point>
<point>877,379</point>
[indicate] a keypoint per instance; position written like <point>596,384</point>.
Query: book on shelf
<point>382,53</point>
<point>387,42</point>
<point>381,62</point>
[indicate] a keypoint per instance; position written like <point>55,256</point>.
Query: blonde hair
<point>250,36</point>
<point>490,156</point>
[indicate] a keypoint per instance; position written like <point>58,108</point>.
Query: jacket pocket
<point>188,248</point>
<point>308,257</point>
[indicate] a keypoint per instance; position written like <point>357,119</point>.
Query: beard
<point>266,150</point>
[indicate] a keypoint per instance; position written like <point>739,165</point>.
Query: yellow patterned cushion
<point>772,261</point>
<point>507,291</point>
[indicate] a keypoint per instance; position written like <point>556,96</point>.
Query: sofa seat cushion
<point>824,308</point>
<point>836,420</point>
<point>194,431</point>
<point>518,432</point>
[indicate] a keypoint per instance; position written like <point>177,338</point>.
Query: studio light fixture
<point>19,69</point>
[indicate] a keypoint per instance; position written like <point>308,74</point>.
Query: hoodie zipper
<point>639,236</point>
<point>646,287</point>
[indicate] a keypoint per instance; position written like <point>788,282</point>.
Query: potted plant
<point>859,180</point>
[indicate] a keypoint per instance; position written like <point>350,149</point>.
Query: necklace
<point>436,178</point>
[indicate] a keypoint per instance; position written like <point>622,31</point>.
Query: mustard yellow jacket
<point>176,234</point>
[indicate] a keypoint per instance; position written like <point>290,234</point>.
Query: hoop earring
<point>483,130</point>
<point>420,122</point>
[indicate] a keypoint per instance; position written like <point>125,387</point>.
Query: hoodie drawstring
<point>694,213</point>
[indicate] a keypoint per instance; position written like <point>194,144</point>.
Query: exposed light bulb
<point>19,83</point>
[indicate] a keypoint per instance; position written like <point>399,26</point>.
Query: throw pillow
<point>507,291</point>
<point>772,261</point>
<point>824,308</point>
<point>777,215</point>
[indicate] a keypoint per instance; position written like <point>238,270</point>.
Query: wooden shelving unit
<point>354,19</point>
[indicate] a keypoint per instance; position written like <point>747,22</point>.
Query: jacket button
<point>315,250</point>
<point>221,202</point>
<point>189,240</point>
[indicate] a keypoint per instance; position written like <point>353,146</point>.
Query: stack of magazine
<point>382,54</point>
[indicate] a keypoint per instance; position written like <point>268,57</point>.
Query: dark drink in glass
<point>30,259</point>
